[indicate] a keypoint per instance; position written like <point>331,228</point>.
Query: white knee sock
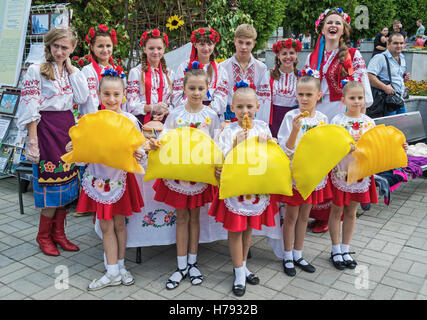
<point>247,272</point>
<point>182,264</point>
<point>239,276</point>
<point>337,249</point>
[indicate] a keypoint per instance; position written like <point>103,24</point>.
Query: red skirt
<point>131,201</point>
<point>316,197</point>
<point>237,223</point>
<point>342,198</point>
<point>179,200</point>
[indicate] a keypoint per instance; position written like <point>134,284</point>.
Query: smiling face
<point>111,93</point>
<point>154,49</point>
<point>61,49</point>
<point>287,57</point>
<point>384,31</point>
<point>333,27</point>
<point>102,48</point>
<point>196,88</point>
<point>354,99</point>
<point>204,49</point>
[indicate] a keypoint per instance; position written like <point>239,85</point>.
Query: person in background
<point>380,42</point>
<point>397,27</point>
<point>306,41</point>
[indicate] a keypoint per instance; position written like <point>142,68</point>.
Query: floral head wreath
<point>287,43</point>
<point>211,34</point>
<point>154,34</point>
<point>118,72</point>
<point>194,65</point>
<point>349,79</point>
<point>308,72</point>
<point>338,11</point>
<point>244,84</point>
<point>93,31</point>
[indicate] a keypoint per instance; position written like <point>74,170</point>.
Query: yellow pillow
<point>108,138</point>
<point>317,153</point>
<point>186,154</point>
<point>255,168</point>
<point>378,149</point>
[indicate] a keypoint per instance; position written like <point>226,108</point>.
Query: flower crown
<point>308,72</point>
<point>93,31</point>
<point>211,34</point>
<point>244,84</point>
<point>349,79</point>
<point>287,43</point>
<point>118,72</point>
<point>153,34</point>
<point>336,11</point>
<point>194,65</point>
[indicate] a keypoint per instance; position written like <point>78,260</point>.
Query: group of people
<point>281,104</point>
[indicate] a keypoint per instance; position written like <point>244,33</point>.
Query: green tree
<point>408,12</point>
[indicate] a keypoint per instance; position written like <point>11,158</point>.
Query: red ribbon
<point>147,76</point>
<point>98,70</point>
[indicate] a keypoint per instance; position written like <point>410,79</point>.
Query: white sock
<point>346,248</point>
<point>194,272</point>
<point>298,255</point>
<point>336,249</point>
<point>288,256</point>
<point>112,270</point>
<point>247,272</point>
<point>182,264</point>
<point>239,276</point>
<point>121,262</point>
<point>105,261</point>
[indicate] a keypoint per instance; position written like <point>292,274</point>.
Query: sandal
<point>127,278</point>
<point>192,278</point>
<point>176,283</point>
<point>351,264</point>
<point>97,284</point>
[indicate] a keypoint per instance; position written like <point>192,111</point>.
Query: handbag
<point>384,102</point>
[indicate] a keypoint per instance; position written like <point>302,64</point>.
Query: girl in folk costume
<point>47,96</point>
<point>149,85</point>
<point>185,196</point>
<point>283,81</point>
<point>112,193</point>
<point>335,60</point>
<point>101,41</point>
<point>295,124</point>
<point>240,214</point>
<point>243,66</point>
<point>203,41</point>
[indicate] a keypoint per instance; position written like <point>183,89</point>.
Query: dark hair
<point>275,73</point>
<point>111,78</point>
<point>307,79</point>
<point>93,40</point>
<point>196,73</point>
<point>393,34</point>
<point>205,39</point>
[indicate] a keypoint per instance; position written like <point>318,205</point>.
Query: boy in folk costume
<point>243,66</point>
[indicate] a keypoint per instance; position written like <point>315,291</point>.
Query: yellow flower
<point>219,60</point>
<point>174,22</point>
<point>321,122</point>
<point>179,121</point>
<point>208,120</point>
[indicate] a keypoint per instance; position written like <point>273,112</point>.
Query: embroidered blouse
<point>285,90</point>
<point>39,94</point>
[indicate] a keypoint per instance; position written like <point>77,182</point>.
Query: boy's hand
<point>297,122</point>
<point>154,144</point>
<point>218,171</point>
<point>241,136</point>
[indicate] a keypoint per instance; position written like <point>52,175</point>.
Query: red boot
<point>58,231</point>
<point>322,226</point>
<point>44,238</point>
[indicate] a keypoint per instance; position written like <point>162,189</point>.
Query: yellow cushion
<point>186,154</point>
<point>255,168</point>
<point>317,153</point>
<point>108,138</point>
<point>378,149</point>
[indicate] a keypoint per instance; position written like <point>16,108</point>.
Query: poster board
<point>14,15</point>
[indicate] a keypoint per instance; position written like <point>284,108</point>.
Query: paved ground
<point>390,244</point>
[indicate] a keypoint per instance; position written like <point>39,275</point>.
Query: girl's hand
<point>138,155</point>
<point>154,144</point>
<point>352,148</point>
<point>241,136</point>
<point>218,171</point>
<point>263,137</point>
<point>405,146</point>
<point>32,151</point>
<point>69,66</point>
<point>69,146</point>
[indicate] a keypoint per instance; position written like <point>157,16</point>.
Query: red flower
<point>202,31</point>
<point>193,38</point>
<point>193,126</point>
<point>86,56</point>
<point>119,69</point>
<point>107,187</point>
<point>87,39</point>
<point>156,33</point>
<point>92,32</point>
<point>298,46</point>
<point>81,62</point>
<point>145,36</point>
<point>288,43</point>
<point>356,126</point>
<point>75,58</point>
<point>212,36</point>
<point>103,28</point>
<point>166,39</point>
<point>49,167</point>
<point>217,37</point>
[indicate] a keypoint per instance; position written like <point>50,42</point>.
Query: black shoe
<point>252,279</point>
<point>239,290</point>
<point>340,265</point>
<point>351,264</point>
<point>289,271</point>
<point>307,268</point>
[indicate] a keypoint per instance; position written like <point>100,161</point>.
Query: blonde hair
<point>53,35</point>
<point>352,85</point>
<point>307,79</point>
<point>244,91</point>
<point>245,31</point>
<point>196,73</point>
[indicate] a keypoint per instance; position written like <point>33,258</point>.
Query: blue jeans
<point>398,111</point>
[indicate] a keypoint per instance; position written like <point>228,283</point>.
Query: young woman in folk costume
<point>204,41</point>
<point>336,61</point>
<point>101,41</point>
<point>149,86</point>
<point>283,81</point>
<point>47,96</point>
